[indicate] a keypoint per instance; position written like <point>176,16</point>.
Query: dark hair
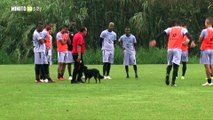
<point>210,19</point>
<point>177,22</point>
<point>39,23</point>
<point>73,20</point>
<point>83,29</point>
<point>64,26</point>
<point>127,27</point>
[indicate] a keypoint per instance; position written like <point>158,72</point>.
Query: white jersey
<point>37,36</point>
<point>128,42</point>
<point>108,40</point>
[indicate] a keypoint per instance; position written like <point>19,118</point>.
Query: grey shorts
<point>184,57</point>
<point>129,58</point>
<point>174,56</point>
<point>62,57</point>
<point>70,57</point>
<point>108,56</point>
<point>40,58</point>
<point>206,57</point>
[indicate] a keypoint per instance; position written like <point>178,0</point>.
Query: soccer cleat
<point>182,78</point>
<point>109,78</point>
<point>70,78</point>
<point>41,80</point>
<point>105,77</point>
<point>61,79</point>
<point>38,81</point>
<point>210,84</point>
<point>46,80</point>
<point>167,80</point>
<point>206,84</point>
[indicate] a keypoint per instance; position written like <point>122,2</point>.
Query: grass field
<point>116,99</point>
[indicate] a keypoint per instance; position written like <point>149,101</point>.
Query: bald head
<point>111,26</point>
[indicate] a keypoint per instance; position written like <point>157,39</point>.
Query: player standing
<point>128,42</point>
<point>175,41</point>
<point>39,52</point>
<point>107,40</point>
<point>62,47</point>
<point>206,39</point>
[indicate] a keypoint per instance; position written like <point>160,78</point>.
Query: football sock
<point>108,68</point>
<point>127,71</point>
<point>210,80</point>
<point>135,69</point>
<point>168,70</point>
<point>184,69</point>
<point>174,74</point>
<point>37,72</point>
<point>104,69</point>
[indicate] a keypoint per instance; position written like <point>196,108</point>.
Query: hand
<point>193,45</point>
<point>79,59</point>
<point>152,43</point>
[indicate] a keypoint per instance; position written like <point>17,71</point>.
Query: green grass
<point>116,99</point>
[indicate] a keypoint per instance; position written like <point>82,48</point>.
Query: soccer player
<point>78,50</point>
<point>128,42</point>
<point>39,52</point>
<point>206,39</point>
<point>175,41</point>
<point>62,47</point>
<point>48,52</point>
<point>72,32</point>
<point>184,58</point>
<point>107,40</point>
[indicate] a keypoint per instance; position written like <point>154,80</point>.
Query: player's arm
<point>157,38</point>
<point>101,41</point>
<point>121,43</point>
<point>202,36</point>
<point>79,52</point>
<point>41,40</point>
<point>61,40</point>
<point>189,40</point>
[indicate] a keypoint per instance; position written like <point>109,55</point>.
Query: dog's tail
<point>100,76</point>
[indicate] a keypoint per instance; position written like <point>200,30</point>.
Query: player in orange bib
<point>206,58</point>
<point>175,41</point>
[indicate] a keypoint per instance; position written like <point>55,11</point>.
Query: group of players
<point>178,40</point>
<point>65,38</point>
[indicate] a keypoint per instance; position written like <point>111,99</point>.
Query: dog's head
<point>84,68</point>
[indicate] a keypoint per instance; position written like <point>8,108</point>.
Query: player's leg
<point>169,67</point>
<point>60,65</point>
<point>105,55</point>
<point>176,62</point>
<point>208,74</point>
<point>133,62</point>
<point>111,60</point>
<point>69,64</point>
<point>184,59</point>
<point>75,70</point>
<point>80,70</point>
<point>184,69</point>
<point>126,63</point>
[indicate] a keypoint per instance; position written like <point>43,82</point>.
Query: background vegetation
<point>146,18</point>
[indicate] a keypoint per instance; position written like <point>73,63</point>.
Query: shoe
<point>105,77</point>
<point>74,82</point>
<point>83,77</point>
<point>38,81</point>
<point>167,80</point>
<point>109,78</point>
<point>46,80</point>
<point>41,80</point>
<point>61,79</point>
<point>182,78</point>
<point>70,78</point>
<point>136,77</point>
<point>206,84</point>
<point>210,84</point>
<point>174,85</point>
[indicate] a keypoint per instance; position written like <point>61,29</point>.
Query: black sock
<point>104,69</point>
<point>135,69</point>
<point>174,74</point>
<point>184,69</point>
<point>59,75</point>
<point>168,70</point>
<point>210,80</point>
<point>37,72</point>
<point>127,71</point>
<point>108,69</point>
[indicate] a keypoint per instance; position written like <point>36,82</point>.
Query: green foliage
<point>146,18</point>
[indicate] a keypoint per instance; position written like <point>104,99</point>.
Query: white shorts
<point>108,56</point>
<point>40,58</point>
<point>48,54</point>
<point>70,57</point>
<point>174,56</point>
<point>184,57</point>
<point>62,57</point>
<point>129,58</point>
<point>206,57</point>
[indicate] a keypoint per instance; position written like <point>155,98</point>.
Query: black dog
<point>89,73</point>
